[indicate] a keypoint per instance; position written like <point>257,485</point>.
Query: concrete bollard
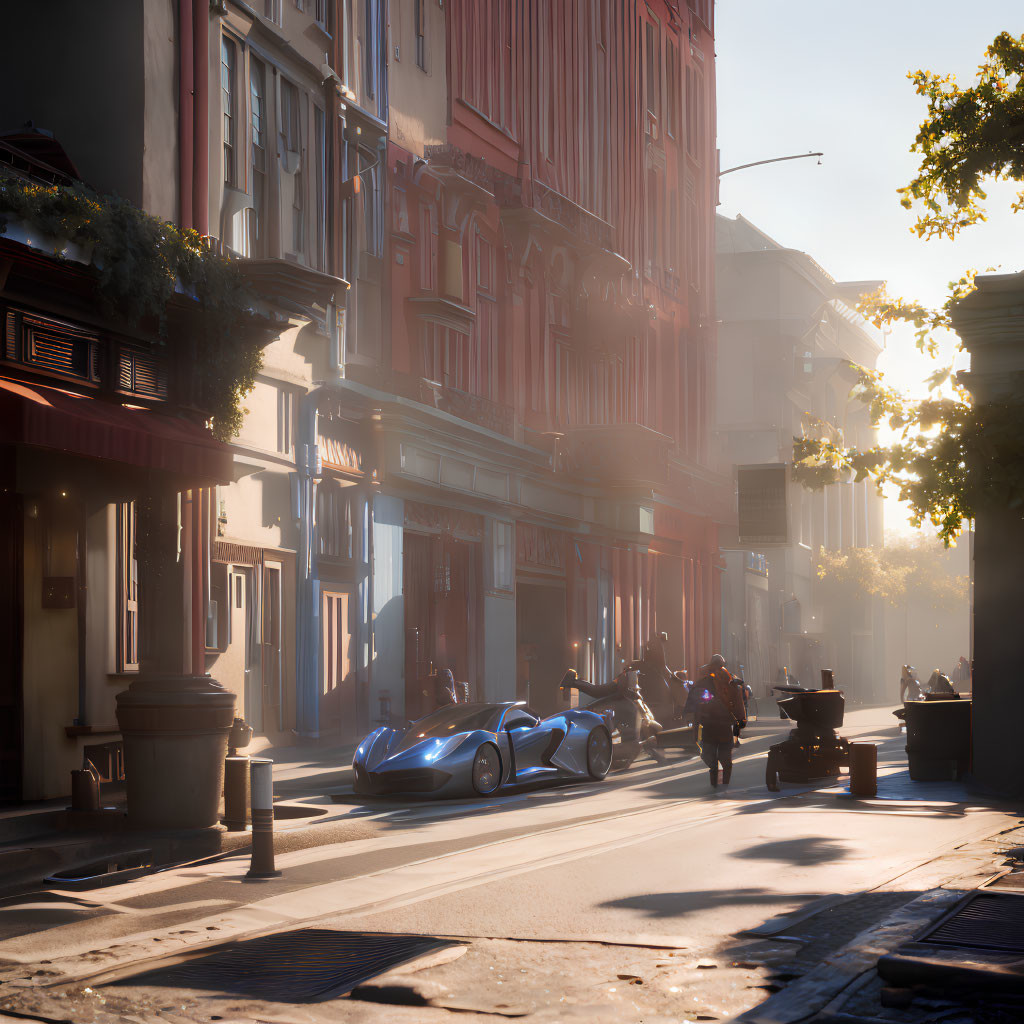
<point>863,769</point>
<point>261,786</point>
<point>236,792</point>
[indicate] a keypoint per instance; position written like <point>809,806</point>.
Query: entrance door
<point>542,645</point>
<point>271,661</point>
<point>337,702</point>
<point>245,636</point>
<point>11,590</point>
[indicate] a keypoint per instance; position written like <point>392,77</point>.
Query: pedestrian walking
<point>910,686</point>
<point>715,724</point>
<point>962,673</point>
<point>720,716</point>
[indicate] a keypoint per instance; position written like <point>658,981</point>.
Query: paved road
<point>562,892</point>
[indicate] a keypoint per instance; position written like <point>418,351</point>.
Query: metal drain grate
<point>986,920</point>
<point>303,966</point>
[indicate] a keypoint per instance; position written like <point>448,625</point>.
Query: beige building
<point>787,336</point>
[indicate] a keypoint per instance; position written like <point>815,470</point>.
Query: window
<point>258,147</point>
<point>420,29</point>
<point>672,90</point>
<point>324,15</point>
<point>227,88</point>
<point>373,203</point>
<point>291,136</point>
<point>445,355</point>
<point>371,42</point>
<point>652,71</point>
<point>320,136</point>
<point>334,521</point>
<point>483,372</point>
<point>272,11</point>
<point>285,420</point>
<point>694,113</point>
<point>291,143</point>
<point>653,215</point>
<point>427,242</point>
<point>127,589</point>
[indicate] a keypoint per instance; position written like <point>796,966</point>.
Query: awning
<point>89,427</point>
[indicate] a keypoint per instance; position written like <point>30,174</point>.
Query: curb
<point>820,986</point>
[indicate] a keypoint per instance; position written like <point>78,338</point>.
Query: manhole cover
<point>307,965</point>
<point>986,920</point>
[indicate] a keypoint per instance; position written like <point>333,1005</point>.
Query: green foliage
<point>140,262</point>
<point>918,567</point>
<point>969,136</point>
<point>949,455</point>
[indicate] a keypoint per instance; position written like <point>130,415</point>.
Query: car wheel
<point>599,752</point>
<point>771,771</point>
<point>486,770</point>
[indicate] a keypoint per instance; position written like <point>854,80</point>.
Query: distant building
<point>787,335</point>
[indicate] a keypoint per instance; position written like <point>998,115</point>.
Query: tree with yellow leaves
<point>947,453</point>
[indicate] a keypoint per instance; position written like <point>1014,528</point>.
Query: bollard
<point>863,769</point>
<point>261,776</point>
<point>236,792</point>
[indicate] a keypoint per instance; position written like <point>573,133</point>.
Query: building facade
<point>479,237</point>
<point>787,337</point>
<point>547,496</point>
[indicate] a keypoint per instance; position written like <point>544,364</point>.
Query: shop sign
<point>763,512</point>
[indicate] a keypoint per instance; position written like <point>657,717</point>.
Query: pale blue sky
<point>799,75</point>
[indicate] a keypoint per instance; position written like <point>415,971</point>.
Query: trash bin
<point>938,738</point>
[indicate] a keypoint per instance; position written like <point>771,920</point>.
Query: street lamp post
<point>771,160</point>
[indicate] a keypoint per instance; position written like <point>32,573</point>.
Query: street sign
<point>763,512</point>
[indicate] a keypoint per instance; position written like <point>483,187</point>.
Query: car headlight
<point>441,747</point>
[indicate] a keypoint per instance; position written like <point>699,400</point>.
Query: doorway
<point>338,717</point>
<point>245,632</point>
<point>542,645</point>
<point>271,647</point>
<point>440,587</point>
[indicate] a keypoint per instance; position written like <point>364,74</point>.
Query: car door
<point>532,743</point>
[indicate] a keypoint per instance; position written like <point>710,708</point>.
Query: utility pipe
<point>201,117</point>
<point>186,56</point>
<point>80,610</point>
<point>198,658</point>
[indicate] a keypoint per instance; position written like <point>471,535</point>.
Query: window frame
<point>229,108</point>
<point>127,581</point>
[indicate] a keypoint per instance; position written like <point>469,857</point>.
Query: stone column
<point>175,724</point>
<point>991,323</point>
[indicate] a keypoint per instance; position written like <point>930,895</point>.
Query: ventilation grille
<point>988,920</point>
<point>140,373</point>
<point>51,345</point>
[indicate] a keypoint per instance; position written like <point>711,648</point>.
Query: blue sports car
<point>477,749</point>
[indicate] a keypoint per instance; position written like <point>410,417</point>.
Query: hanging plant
<point>141,262</point>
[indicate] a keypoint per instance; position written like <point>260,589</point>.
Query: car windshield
<point>453,719</point>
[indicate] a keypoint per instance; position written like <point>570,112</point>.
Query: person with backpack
<point>719,717</point>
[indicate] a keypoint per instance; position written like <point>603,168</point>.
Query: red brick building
<point>549,360</point>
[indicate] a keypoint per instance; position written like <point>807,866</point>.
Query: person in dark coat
<point>719,716</point>
<point>715,722</point>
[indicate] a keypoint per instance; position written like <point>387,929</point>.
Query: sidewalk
<point>40,839</point>
<point>825,958</point>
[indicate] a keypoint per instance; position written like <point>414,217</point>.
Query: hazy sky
<point>830,75</point>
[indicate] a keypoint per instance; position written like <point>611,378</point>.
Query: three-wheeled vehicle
<point>812,750</point>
